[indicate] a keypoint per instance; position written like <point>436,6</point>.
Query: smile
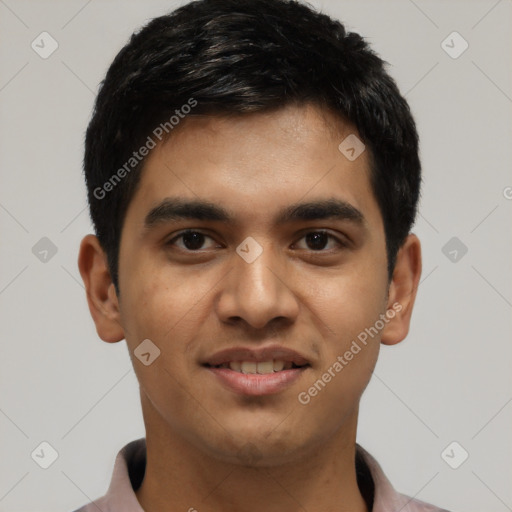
<point>252,371</point>
<point>263,367</point>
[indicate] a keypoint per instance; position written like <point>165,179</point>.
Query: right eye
<point>192,240</point>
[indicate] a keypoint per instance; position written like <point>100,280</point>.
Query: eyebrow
<point>176,208</point>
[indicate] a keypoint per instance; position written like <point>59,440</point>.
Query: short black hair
<point>226,57</point>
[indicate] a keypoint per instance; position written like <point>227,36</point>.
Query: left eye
<point>318,239</point>
<point>193,240</point>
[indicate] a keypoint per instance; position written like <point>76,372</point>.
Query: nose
<point>258,292</point>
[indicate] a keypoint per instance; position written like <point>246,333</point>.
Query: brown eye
<point>318,240</point>
<point>191,240</point>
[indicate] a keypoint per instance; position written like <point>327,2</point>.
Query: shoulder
<point>95,506</point>
<point>415,505</point>
<point>385,497</point>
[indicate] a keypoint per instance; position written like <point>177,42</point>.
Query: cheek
<point>152,295</point>
<point>167,306</point>
<point>350,303</point>
<point>161,308</point>
<point>348,358</point>
<point>146,313</point>
<point>349,309</point>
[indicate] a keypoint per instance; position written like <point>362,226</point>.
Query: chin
<point>259,444</point>
<point>260,454</point>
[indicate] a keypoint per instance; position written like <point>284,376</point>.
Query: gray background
<point>450,380</point>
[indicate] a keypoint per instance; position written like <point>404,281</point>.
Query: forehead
<point>254,165</point>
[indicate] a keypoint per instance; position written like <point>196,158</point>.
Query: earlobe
<point>402,291</point>
<point>101,295</point>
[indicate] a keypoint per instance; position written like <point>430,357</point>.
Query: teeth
<point>249,367</point>
<point>236,365</point>
<point>278,366</point>
<point>262,367</point>
<point>266,367</point>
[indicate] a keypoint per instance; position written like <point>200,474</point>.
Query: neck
<point>180,477</point>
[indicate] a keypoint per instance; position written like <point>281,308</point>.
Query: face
<point>253,281</point>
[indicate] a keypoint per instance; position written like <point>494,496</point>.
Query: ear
<point>100,290</point>
<point>402,291</point>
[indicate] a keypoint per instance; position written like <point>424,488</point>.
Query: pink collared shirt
<point>130,465</point>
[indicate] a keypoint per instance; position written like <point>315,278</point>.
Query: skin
<point>207,447</point>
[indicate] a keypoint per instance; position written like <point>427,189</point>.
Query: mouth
<point>257,372</point>
<point>261,368</point>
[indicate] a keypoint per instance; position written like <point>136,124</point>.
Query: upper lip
<point>257,355</point>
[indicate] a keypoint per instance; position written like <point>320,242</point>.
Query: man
<point>253,176</point>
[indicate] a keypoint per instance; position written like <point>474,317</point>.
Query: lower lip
<point>256,384</point>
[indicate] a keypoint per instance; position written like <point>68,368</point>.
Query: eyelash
<point>341,243</point>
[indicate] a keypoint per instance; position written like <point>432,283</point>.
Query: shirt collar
<point>130,465</point>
